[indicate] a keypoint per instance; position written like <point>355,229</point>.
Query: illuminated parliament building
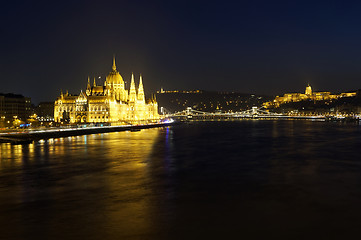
<point>107,103</point>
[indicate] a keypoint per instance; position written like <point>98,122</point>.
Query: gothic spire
<point>132,84</point>
<point>141,90</point>
<point>132,91</point>
<point>88,85</point>
<point>140,82</point>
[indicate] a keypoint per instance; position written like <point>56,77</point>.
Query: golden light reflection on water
<point>125,145</point>
<point>12,155</point>
<point>107,172</point>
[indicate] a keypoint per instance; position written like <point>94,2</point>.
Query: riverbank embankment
<point>28,136</point>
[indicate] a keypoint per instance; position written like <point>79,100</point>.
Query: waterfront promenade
<point>28,135</point>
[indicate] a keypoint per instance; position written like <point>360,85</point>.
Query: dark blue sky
<point>267,47</point>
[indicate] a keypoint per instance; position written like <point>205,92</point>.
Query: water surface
<point>201,180</point>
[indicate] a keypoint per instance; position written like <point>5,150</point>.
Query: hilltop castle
<point>308,95</point>
<point>109,102</point>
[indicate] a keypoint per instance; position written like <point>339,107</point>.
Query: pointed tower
<point>132,91</point>
<point>141,91</point>
<point>94,84</point>
<point>88,88</point>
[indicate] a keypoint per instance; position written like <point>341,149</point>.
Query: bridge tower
<point>254,111</point>
<point>189,112</point>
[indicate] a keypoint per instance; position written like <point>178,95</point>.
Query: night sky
<point>262,47</point>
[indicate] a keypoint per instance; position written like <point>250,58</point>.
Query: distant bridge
<point>253,113</point>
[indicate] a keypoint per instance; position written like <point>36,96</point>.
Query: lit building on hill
<point>109,102</point>
<point>308,95</point>
<point>161,91</point>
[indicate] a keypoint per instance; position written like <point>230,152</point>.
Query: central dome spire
<point>114,66</point>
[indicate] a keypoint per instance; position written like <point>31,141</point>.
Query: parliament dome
<point>114,77</point>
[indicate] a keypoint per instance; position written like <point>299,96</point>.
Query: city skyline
<point>180,120</point>
<point>262,48</point>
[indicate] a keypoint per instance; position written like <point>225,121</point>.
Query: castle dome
<point>114,76</point>
<point>308,90</point>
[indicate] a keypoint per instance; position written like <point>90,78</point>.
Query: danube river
<point>200,180</point>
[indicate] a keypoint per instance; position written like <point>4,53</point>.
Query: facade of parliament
<point>308,95</point>
<point>107,103</point>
